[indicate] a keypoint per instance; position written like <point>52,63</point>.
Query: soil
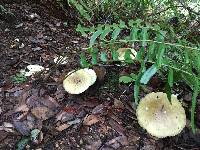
<point>101,118</point>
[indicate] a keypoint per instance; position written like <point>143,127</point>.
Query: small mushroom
<point>79,81</point>
<point>60,60</point>
<point>122,52</point>
<point>35,68</point>
<point>159,117</point>
<point>32,69</point>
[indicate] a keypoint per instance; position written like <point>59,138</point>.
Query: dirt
<point>101,118</point>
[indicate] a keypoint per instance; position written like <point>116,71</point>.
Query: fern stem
<point>166,43</point>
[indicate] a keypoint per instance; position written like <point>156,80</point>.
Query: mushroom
<point>159,117</point>
<point>79,81</point>
<point>122,52</point>
<point>61,60</point>
<point>31,70</point>
<point>35,68</point>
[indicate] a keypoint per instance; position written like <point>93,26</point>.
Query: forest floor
<point>101,118</point>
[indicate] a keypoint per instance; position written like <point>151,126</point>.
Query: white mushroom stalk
<point>79,81</point>
<point>160,117</point>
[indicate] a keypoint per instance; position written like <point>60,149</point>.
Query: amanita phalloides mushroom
<point>159,117</point>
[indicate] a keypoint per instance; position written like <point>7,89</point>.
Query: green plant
<point>107,11</point>
<point>160,51</point>
<point>19,78</point>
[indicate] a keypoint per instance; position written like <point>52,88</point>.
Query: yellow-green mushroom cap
<point>160,117</point>
<point>122,51</point>
<point>77,82</point>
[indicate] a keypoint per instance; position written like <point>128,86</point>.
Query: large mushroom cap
<point>160,117</point>
<point>122,52</point>
<point>78,81</point>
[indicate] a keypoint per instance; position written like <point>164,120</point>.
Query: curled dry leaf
<point>90,120</point>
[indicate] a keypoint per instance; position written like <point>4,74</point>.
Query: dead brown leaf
<point>22,108</point>
<point>117,142</point>
<point>90,120</point>
<point>62,127</point>
<point>49,102</point>
<point>64,116</point>
<point>100,109</point>
<point>118,104</point>
<point>116,126</point>
<point>41,113</point>
<point>22,127</point>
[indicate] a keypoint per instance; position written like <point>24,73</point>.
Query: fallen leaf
<point>76,121</point>
<point>63,127</point>
<point>42,113</point>
<point>22,108</point>
<point>98,109</point>
<point>90,120</point>
<point>22,127</point>
<point>22,143</point>
<point>117,142</point>
<point>94,145</point>
<point>31,121</point>
<point>70,109</point>
<point>3,134</point>
<point>36,136</point>
<point>116,126</point>
<point>118,104</point>
<point>8,127</point>
<point>88,102</point>
<point>49,102</point>
<point>64,116</point>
